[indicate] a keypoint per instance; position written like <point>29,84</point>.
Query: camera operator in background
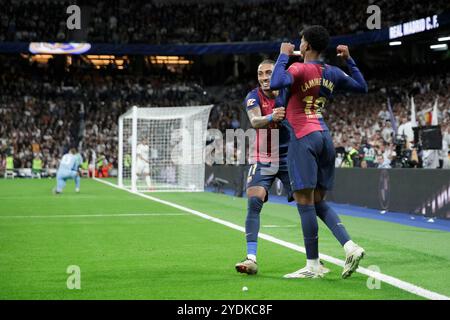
<point>406,154</point>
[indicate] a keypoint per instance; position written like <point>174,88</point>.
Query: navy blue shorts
<point>311,161</point>
<point>263,175</point>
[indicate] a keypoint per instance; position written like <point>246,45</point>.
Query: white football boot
<point>352,259</point>
<point>247,266</point>
<point>308,272</point>
<point>305,273</point>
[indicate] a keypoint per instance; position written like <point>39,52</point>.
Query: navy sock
<point>331,219</point>
<point>254,207</point>
<point>310,230</point>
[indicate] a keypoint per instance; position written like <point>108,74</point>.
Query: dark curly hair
<point>267,61</point>
<point>317,37</point>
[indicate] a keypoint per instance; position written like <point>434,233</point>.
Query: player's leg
<point>330,217</point>
<point>325,181</point>
<point>143,172</point>
<point>148,181</point>
<point>256,197</point>
<point>283,175</point>
<point>257,186</point>
<point>353,252</point>
<point>77,179</point>
<point>302,167</point>
<point>255,201</point>
<point>60,182</point>
<point>139,171</point>
<point>305,206</point>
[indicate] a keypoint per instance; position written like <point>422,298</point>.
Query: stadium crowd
<point>364,136</point>
<point>44,112</point>
<point>162,22</point>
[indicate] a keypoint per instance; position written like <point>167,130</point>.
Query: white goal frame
<point>156,128</point>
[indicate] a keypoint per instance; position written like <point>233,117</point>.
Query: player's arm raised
<point>259,121</point>
<point>356,81</point>
<point>281,78</point>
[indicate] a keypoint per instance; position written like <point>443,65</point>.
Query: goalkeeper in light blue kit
<point>68,169</point>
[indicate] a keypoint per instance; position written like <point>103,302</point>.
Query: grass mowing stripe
<point>406,286</point>
<point>94,215</point>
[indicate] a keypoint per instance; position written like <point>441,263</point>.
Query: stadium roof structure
<point>369,37</point>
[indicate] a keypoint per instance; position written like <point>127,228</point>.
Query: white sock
<point>251,257</point>
<point>313,263</point>
<point>349,246</point>
<point>148,181</point>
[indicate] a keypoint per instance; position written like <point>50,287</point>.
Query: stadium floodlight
<point>439,47</point>
<point>395,43</point>
<point>163,149</point>
<point>444,39</point>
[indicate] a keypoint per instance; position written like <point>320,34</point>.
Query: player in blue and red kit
<point>311,155</point>
<point>265,109</point>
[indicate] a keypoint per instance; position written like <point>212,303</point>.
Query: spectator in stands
<point>178,22</point>
<point>43,112</point>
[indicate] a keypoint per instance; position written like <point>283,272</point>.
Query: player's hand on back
<point>342,51</point>
<point>287,48</point>
<point>278,114</point>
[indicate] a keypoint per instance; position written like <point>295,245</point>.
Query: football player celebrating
<point>265,109</point>
<point>311,154</point>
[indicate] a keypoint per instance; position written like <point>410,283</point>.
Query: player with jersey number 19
<point>265,109</point>
<point>311,153</point>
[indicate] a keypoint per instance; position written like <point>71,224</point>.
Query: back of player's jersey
<point>310,92</point>
<point>313,85</point>
<point>67,162</point>
<point>78,162</point>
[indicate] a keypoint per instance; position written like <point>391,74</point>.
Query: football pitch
<point>130,247</point>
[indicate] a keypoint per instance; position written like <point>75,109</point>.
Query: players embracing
<point>265,109</point>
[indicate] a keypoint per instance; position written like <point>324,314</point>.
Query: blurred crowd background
<point>45,108</point>
<point>44,111</point>
<point>166,21</point>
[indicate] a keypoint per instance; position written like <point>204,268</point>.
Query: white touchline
<point>406,286</point>
<point>94,215</point>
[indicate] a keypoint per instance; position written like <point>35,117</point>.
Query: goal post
<point>162,149</point>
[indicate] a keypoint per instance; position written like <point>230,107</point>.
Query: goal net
<point>163,149</point>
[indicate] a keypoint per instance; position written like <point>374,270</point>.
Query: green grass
<point>186,257</point>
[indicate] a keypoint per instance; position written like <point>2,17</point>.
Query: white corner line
<point>406,286</point>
